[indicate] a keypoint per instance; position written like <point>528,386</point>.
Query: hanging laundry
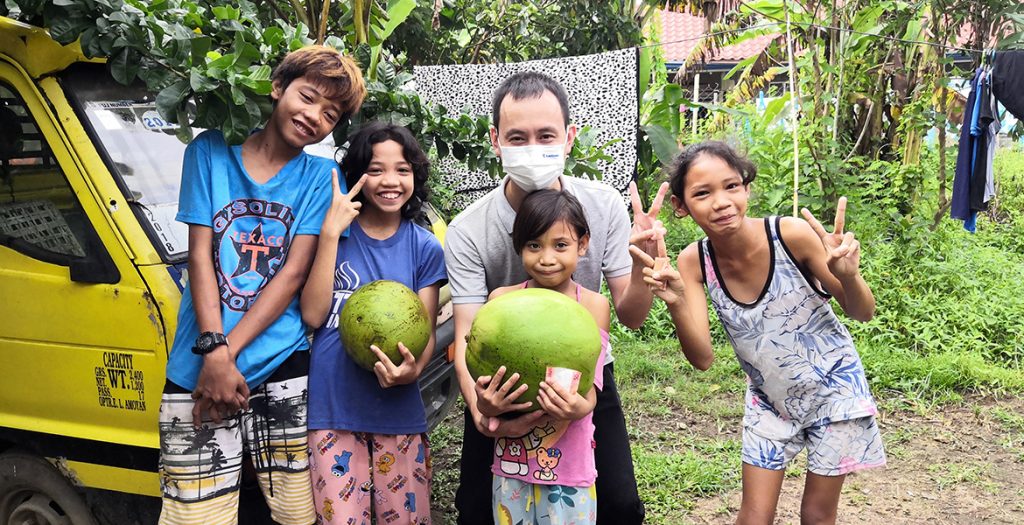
<point>1000,79</point>
<point>1008,81</point>
<point>960,206</point>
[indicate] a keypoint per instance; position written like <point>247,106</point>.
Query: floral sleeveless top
<point>799,358</point>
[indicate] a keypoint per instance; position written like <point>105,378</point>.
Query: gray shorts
<point>834,448</point>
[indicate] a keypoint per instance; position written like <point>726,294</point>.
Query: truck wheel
<point>33,492</point>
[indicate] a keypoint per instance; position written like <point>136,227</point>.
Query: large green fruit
<point>383,313</point>
<point>530,330</point>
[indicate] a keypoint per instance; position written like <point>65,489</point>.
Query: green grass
<point>1013,427</point>
<point>445,451</point>
<point>669,479</point>
<point>937,378</point>
<point>947,475</point>
<point>656,380</point>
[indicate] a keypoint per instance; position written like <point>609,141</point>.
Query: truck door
<point>82,344</point>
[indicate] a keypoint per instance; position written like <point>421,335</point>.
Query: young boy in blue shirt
<point>237,371</point>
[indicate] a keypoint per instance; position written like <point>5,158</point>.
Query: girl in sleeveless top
<point>547,475</point>
<point>770,281</point>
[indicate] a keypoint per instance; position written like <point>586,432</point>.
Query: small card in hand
<point>567,378</point>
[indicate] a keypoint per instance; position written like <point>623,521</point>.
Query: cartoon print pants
<point>357,475</point>
<point>517,502</point>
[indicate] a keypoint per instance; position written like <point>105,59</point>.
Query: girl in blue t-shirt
<point>547,475</point>
<point>367,430</point>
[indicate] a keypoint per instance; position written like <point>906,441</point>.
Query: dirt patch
<point>959,464</point>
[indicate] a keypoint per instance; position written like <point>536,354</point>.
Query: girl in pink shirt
<point>547,475</point>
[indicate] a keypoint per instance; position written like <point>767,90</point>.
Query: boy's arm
<point>631,296</point>
<point>274,298</point>
<point>220,388</point>
<point>315,300</point>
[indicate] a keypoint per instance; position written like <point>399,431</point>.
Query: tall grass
<point>950,308</point>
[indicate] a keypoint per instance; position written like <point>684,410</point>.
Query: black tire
<point>33,492</point>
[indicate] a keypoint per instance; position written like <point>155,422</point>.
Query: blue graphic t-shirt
<point>343,396</point>
<point>253,226</point>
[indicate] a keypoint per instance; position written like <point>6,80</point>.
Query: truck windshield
<point>141,150</point>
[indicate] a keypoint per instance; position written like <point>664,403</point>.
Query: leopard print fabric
<point>603,94</point>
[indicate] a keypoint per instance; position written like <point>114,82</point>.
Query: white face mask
<point>533,167</point>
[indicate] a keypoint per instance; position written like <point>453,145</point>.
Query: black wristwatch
<point>207,342</point>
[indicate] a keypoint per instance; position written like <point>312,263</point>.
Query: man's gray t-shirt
<point>478,250</point>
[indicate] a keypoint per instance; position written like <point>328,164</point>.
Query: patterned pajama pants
<point>357,475</point>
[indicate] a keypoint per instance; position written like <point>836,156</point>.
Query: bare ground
<point>953,464</point>
<point>959,464</point>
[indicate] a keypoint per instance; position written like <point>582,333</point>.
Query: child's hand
<point>646,226</point>
<point>497,427</point>
<point>494,398</point>
<point>561,404</point>
<point>343,209</point>
<point>389,375</point>
<point>659,274</point>
<point>843,250</point>
<point>220,390</point>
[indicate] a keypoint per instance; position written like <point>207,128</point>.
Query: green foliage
<point>473,31</point>
<point>488,31</point>
<point>216,55</point>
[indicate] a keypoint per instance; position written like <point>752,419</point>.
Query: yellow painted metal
<point>81,360</point>
<point>111,478</point>
<point>64,334</point>
<point>33,48</point>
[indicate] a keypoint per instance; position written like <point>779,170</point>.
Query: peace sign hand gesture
<point>646,226</point>
<point>842,249</point>
<point>343,209</point>
<point>661,277</point>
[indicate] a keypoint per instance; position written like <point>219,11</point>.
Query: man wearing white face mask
<point>532,136</point>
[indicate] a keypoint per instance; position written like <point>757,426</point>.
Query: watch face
<point>205,341</point>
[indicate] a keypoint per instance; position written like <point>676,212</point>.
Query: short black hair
<point>528,84</point>
<point>542,209</point>
<point>360,155</point>
<point>715,148</point>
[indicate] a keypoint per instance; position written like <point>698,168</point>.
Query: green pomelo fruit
<point>383,313</point>
<point>530,330</point>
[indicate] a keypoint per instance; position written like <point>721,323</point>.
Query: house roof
<point>680,33</point>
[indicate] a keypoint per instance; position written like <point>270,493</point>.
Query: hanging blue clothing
<point>960,207</point>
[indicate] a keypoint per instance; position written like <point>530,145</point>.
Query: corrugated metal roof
<point>680,33</point>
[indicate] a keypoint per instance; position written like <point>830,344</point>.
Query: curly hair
<point>360,155</point>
